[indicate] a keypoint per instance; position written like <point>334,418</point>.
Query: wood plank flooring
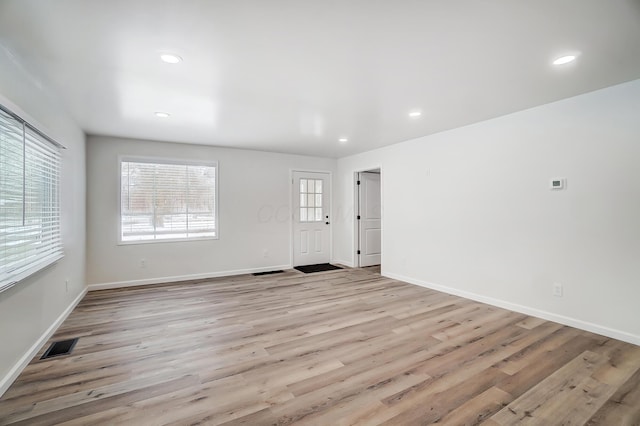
<point>342,347</point>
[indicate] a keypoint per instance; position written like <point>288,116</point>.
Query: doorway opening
<point>368,226</point>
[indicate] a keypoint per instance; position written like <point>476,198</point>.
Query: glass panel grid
<point>311,200</point>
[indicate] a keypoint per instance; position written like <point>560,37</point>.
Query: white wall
<point>470,210</point>
<point>254,198</point>
<point>28,310</point>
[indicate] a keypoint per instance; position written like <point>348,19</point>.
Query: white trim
<point>31,270</point>
<point>549,316</point>
<point>292,203</point>
<point>46,163</point>
<point>176,278</point>
<point>28,124</point>
<point>15,371</point>
<point>173,161</point>
<point>356,211</point>
<point>164,240</point>
<point>22,113</point>
<point>356,224</point>
<point>343,262</point>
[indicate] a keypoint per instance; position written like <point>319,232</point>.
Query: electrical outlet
<point>557,289</point>
<point>143,263</point>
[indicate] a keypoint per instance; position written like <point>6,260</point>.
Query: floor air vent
<point>63,347</point>
<point>257,274</point>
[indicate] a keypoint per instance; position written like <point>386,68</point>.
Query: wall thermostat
<point>556,183</point>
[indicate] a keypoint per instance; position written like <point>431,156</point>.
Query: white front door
<point>311,221</point>
<point>369,213</point>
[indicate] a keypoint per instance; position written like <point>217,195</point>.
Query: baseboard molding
<point>15,371</point>
<point>343,262</point>
<point>176,278</point>
<point>550,316</point>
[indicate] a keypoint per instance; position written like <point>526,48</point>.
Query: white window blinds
<point>29,201</point>
<point>167,200</point>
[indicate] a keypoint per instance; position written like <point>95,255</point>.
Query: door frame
<point>291,213</point>
<point>356,207</point>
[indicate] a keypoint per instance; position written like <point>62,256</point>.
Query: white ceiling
<point>296,75</point>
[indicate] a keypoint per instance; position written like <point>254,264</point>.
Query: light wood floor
<point>336,348</point>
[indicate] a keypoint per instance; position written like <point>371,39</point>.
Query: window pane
<point>310,214</point>
<point>29,200</point>
<point>303,185</point>
<point>303,215</point>
<point>303,200</point>
<point>165,201</point>
<point>318,200</point>
<point>319,215</point>
<point>319,186</point>
<point>311,186</point>
<point>311,200</point>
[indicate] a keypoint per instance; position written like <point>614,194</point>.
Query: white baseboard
<point>343,262</point>
<point>550,316</point>
<point>15,371</point>
<point>162,280</point>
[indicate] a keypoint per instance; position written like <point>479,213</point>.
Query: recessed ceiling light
<point>343,140</point>
<point>564,60</point>
<point>414,114</point>
<point>162,114</point>
<point>170,58</point>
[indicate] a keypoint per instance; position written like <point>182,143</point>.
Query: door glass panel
<point>311,200</point>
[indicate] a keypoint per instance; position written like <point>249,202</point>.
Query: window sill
<point>167,240</point>
<point>13,280</point>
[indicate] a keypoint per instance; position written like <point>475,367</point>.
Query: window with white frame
<point>30,237</point>
<point>164,200</point>
<point>311,200</point>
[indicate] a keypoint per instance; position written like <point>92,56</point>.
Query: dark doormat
<point>308,269</point>
<point>257,274</point>
<point>63,347</point>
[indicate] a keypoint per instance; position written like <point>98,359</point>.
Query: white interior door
<point>311,222</point>
<point>369,222</point>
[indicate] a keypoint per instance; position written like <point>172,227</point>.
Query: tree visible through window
<point>167,200</point>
